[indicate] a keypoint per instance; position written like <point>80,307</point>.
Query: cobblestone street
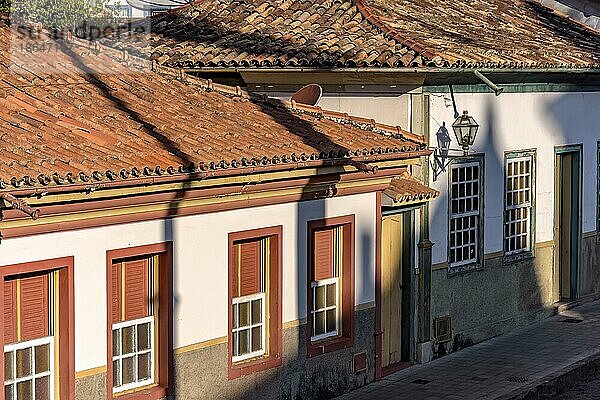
<point>503,367</point>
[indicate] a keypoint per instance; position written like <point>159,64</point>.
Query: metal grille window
<point>249,307</point>
<point>465,214</point>
<point>29,370</point>
<point>518,204</point>
<point>133,354</point>
<point>325,313</point>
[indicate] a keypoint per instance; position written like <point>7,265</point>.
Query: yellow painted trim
<point>439,266</point>
<point>99,192</point>
<point>491,256</point>
<point>166,206</point>
<point>590,234</point>
<point>201,345</point>
<point>123,288</point>
<point>294,324</point>
<point>18,284</point>
<point>543,245</point>
<point>90,372</point>
<point>364,306</point>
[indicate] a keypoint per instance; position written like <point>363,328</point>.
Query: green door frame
<point>577,200</point>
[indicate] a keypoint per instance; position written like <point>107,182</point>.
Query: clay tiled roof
<point>268,33</point>
<point>78,114</point>
<point>365,33</point>
<point>406,189</point>
<point>490,33</point>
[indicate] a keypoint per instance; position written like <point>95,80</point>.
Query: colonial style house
<point>166,236</point>
<point>513,236</point>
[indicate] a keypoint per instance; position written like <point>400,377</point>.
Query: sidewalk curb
<point>556,382</point>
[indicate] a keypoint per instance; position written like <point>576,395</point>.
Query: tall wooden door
<point>393,256</point>
<point>567,224</point>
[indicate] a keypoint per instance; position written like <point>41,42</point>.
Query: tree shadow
<point>477,301</point>
<point>313,205</point>
<point>202,35</point>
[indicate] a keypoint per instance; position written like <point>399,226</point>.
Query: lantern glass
<point>465,128</point>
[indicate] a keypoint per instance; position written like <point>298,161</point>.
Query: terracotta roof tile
<point>267,33</point>
<point>96,118</point>
<point>365,33</point>
<point>490,33</point>
<point>406,189</point>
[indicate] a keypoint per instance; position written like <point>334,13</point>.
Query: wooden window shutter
<point>117,305</point>
<point>10,311</point>
<point>136,289</point>
<point>250,268</point>
<point>233,272</point>
<point>34,307</point>
<point>323,253</point>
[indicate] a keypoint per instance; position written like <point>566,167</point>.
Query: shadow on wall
<point>318,378</point>
<point>480,302</point>
<point>579,121</point>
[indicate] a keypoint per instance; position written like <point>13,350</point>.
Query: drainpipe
<point>498,90</point>
<point>20,205</point>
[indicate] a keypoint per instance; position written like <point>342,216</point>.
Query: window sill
<point>329,345</point>
<point>251,366</point>
<point>464,269</point>
<point>154,392</point>
<point>516,258</point>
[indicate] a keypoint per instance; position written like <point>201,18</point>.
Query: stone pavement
<point>499,368</point>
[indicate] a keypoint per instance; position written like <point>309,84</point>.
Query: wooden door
<point>567,224</point>
<point>391,289</point>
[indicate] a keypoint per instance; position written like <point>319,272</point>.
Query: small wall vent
<point>443,329</point>
<point>360,362</point>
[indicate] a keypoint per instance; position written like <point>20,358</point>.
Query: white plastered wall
<point>200,265</point>
<point>515,121</point>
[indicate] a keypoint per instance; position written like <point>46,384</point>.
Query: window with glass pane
<point>248,326</point>
<point>465,205</point>
<point>133,328</point>
<point>133,353</point>
<point>249,307</point>
<point>328,257</point>
<point>518,205</point>
<point>28,334</point>
<point>28,370</point>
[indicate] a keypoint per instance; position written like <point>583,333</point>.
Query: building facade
<point>506,248</point>
<point>228,244</point>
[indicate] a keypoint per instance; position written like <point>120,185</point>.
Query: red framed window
<point>254,301</point>
<point>139,285</point>
<point>330,294</point>
<point>38,330</point>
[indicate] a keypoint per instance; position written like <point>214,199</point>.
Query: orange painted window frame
<point>346,339</point>
<point>275,340</point>
<point>66,315</point>
<point>165,320</point>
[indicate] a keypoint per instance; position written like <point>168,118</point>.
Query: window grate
<point>465,199</point>
<point>518,205</point>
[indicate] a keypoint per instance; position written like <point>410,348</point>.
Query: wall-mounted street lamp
<point>465,128</point>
